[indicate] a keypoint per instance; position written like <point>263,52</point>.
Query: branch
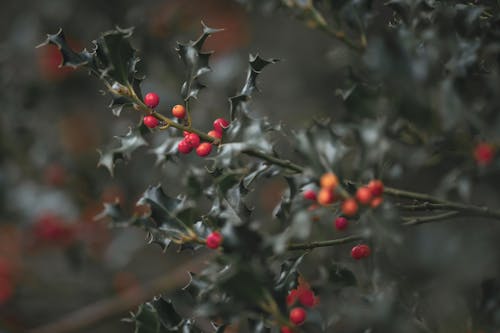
<point>274,160</point>
<point>331,242</point>
<point>119,305</point>
<point>410,221</point>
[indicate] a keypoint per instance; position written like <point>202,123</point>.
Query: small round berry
<point>292,297</point>
<point>376,202</point>
<point>329,180</point>
<point>349,207</point>
<point>298,316</point>
<point>360,251</point>
<point>151,100</point>
<point>215,134</point>
<point>193,139</point>
<point>326,196</point>
<point>150,121</point>
<point>484,153</point>
<point>286,329</point>
<point>184,147</point>
<point>306,298</point>
<point>220,124</point>
<point>179,111</point>
<point>214,240</point>
<point>310,195</point>
<point>376,187</point>
<point>341,223</point>
<point>204,149</point>
<point>364,195</point>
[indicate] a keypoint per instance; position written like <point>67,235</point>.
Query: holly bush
<point>347,246</point>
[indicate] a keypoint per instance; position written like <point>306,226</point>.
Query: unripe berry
<point>329,180</point>
<point>215,134</point>
<point>204,149</point>
<point>484,153</point>
<point>151,100</point>
<point>341,223</point>
<point>360,251</point>
<point>286,329</point>
<point>310,195</point>
<point>349,207</point>
<point>364,195</point>
<point>220,124</point>
<point>376,187</point>
<point>179,111</point>
<point>150,121</point>
<point>214,240</point>
<point>193,139</point>
<point>298,316</point>
<point>184,147</point>
<point>326,196</point>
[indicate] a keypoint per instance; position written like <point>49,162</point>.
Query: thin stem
<point>330,242</point>
<point>410,221</point>
<point>274,160</point>
<point>426,206</point>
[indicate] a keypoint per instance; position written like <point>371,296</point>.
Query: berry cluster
<point>151,100</point>
<point>306,297</point>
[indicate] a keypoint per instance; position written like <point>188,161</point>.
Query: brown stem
<point>330,242</point>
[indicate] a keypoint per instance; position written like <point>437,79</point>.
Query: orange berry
<point>349,207</point>
<point>329,180</point>
<point>364,195</point>
<point>179,111</point>
<point>376,187</point>
<point>326,196</point>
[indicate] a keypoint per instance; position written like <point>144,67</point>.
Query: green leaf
<point>287,279</point>
<point>196,62</point>
<point>128,144</point>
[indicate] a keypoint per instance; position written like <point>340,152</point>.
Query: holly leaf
<point>127,145</point>
<point>255,67</point>
<point>70,58</point>
<point>196,62</point>
<point>287,279</point>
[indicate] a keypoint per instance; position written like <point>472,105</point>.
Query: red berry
<point>185,133</point>
<point>310,195</point>
<point>326,196</point>
<point>193,139</point>
<point>151,100</point>
<point>364,195</point>
<point>214,240</point>
<point>484,153</point>
<point>220,124</point>
<point>291,298</point>
<point>179,111</point>
<point>286,329</point>
<point>215,134</point>
<point>184,147</point>
<point>306,298</point>
<point>376,202</point>
<point>341,223</point>
<point>204,149</point>
<point>349,207</point>
<point>376,187</point>
<point>360,251</point>
<point>298,316</point>
<point>151,121</point>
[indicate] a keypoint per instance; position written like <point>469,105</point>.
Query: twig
<point>409,221</point>
<point>330,242</point>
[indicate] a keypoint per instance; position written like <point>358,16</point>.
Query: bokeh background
<point>56,258</point>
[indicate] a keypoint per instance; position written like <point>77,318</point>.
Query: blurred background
<point>54,257</point>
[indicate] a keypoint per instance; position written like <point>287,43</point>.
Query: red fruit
<point>306,298</point>
<point>179,111</point>
<point>220,124</point>
<point>484,153</point>
<point>364,195</point>
<point>376,187</point>
<point>151,121</point>
<point>325,196</point>
<point>193,139</point>
<point>292,297</point>
<point>286,329</point>
<point>215,134</point>
<point>349,207</point>
<point>376,202</point>
<point>184,147</point>
<point>151,100</point>
<point>329,180</point>
<point>204,149</point>
<point>341,223</point>
<point>360,251</point>
<point>310,195</point>
<point>185,133</point>
<point>298,316</point>
<point>214,240</point>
